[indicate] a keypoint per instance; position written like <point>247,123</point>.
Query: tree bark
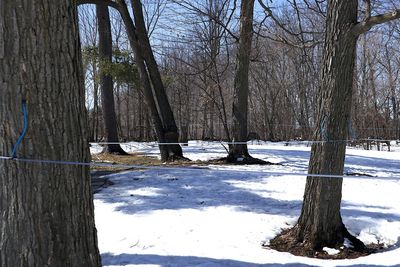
<point>166,115</point>
<point>154,91</point>
<point>46,210</point>
<point>320,223</point>
<point>106,82</point>
<point>164,135</point>
<point>144,78</point>
<point>238,153</point>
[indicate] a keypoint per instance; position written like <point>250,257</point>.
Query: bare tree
<point>238,152</point>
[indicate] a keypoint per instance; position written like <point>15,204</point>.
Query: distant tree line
<point>197,66</point>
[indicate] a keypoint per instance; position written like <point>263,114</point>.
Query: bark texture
<point>170,130</point>
<point>46,211</point>
<point>238,153</point>
<point>320,223</point>
<point>106,82</point>
<point>144,78</point>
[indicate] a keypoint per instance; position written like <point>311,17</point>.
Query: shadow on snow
<point>171,261</point>
<point>194,189</point>
<point>175,261</point>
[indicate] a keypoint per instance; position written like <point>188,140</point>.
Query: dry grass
<point>131,159</point>
<point>135,159</point>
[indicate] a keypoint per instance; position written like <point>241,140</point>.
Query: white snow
<point>347,243</point>
<point>222,215</point>
<point>331,251</point>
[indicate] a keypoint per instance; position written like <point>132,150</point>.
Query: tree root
<point>119,152</point>
<point>245,160</point>
<point>176,158</point>
<point>288,241</point>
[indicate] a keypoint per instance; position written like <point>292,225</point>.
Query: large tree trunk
<point>46,210</point>
<point>238,153</point>
<point>320,223</point>
<point>106,82</point>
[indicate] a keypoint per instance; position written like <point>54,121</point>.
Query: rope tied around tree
<point>25,129</point>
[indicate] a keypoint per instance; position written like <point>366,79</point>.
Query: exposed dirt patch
<point>130,159</point>
<point>118,163</point>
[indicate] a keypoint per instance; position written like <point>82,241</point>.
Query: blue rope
<point>21,137</point>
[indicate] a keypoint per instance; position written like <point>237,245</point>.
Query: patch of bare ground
<point>115,163</point>
<point>125,160</point>
<point>118,163</point>
<point>140,160</point>
<point>286,242</point>
<point>143,160</point>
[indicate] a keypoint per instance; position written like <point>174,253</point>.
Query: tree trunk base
<point>176,158</point>
<point>115,150</point>
<point>244,160</point>
<point>288,241</point>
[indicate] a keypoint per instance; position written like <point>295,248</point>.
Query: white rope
<point>192,168</point>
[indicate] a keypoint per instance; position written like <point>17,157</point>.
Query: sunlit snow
<point>221,215</point>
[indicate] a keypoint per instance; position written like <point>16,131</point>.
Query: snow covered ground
<point>220,215</point>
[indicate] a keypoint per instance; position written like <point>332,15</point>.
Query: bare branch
<point>368,9</point>
<point>98,2</point>
<point>224,25</point>
<point>317,9</point>
<point>367,24</point>
<point>269,14</point>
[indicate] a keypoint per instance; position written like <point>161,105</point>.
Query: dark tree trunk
<point>320,223</point>
<point>144,78</point>
<point>128,112</point>
<point>165,111</point>
<point>164,127</point>
<point>106,82</point>
<point>95,120</point>
<point>46,210</point>
<point>238,153</point>
<point>140,117</point>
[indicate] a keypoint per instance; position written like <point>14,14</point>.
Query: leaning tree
<point>46,210</point>
<point>149,76</point>
<point>320,223</point>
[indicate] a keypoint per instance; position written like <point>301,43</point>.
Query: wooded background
<point>194,43</point>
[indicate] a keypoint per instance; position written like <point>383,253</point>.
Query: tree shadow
<point>293,157</point>
<point>175,261</point>
<point>179,261</point>
<point>150,190</point>
<point>353,212</point>
<point>299,159</point>
<point>371,163</point>
<point>144,191</point>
